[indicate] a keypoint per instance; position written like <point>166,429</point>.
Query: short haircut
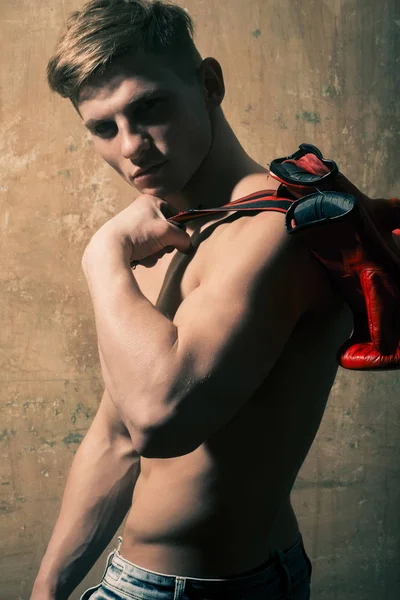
<point>105,30</point>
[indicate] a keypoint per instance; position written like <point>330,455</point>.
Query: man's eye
<point>105,130</point>
<point>149,104</point>
<point>149,107</point>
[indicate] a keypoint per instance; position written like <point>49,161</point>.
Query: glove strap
<point>258,201</point>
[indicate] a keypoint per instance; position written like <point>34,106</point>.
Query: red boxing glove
<point>354,237</point>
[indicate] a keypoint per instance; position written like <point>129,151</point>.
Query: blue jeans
<point>285,576</point>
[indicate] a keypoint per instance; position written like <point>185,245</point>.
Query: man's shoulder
<point>258,242</point>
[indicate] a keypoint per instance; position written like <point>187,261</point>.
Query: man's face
<point>144,115</point>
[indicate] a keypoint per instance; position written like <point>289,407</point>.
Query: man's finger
<point>178,238</point>
<point>180,225</point>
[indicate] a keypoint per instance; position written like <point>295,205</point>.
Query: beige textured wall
<point>326,72</point>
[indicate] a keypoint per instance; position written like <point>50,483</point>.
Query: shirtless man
<point>217,351</point>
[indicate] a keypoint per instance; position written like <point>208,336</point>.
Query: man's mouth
<point>143,173</point>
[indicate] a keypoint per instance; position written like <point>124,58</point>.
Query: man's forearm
<point>136,342</point>
<point>97,497</point>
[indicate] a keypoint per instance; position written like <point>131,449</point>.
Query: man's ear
<point>211,79</point>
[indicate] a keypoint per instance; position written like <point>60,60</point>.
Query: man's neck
<point>226,174</point>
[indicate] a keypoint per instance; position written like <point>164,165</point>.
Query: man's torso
<point>221,509</point>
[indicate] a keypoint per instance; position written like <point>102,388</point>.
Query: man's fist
<point>145,232</point>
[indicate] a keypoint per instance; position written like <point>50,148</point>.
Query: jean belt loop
<point>119,543</point>
<point>108,562</point>
<point>288,579</point>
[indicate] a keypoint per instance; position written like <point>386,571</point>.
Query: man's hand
<point>144,231</point>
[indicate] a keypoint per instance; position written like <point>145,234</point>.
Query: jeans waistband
<point>289,561</point>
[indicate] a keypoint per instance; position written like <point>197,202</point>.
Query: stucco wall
<point>326,72</point>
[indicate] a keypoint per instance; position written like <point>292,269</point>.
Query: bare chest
<point>176,275</point>
<point>169,282</point>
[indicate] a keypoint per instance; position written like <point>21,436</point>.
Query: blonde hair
<point>104,30</point>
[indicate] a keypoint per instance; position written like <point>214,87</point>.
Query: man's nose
<point>133,143</point>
